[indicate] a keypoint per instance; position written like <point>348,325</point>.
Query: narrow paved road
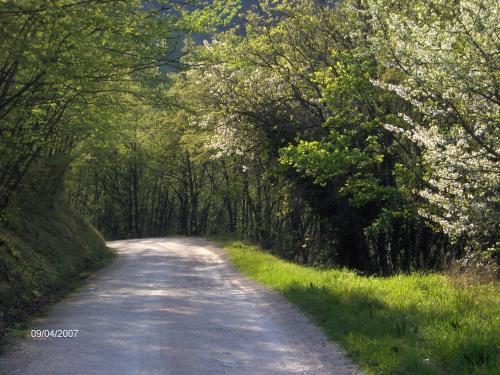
<point>174,306</point>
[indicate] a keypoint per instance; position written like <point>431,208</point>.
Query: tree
<point>447,53</point>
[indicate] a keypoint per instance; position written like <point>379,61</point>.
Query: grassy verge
<point>19,326</point>
<point>407,324</point>
<point>44,254</point>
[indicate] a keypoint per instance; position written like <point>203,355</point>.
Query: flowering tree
<point>448,52</point>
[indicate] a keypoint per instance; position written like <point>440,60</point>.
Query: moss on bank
<point>43,255</point>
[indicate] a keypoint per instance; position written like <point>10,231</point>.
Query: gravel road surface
<point>174,306</point>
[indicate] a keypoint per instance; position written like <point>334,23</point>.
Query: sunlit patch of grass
<point>405,324</point>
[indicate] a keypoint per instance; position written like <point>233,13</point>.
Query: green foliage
<point>210,15</point>
<point>70,67</point>
<point>294,126</point>
<point>405,324</point>
<point>359,121</point>
<point>283,133</point>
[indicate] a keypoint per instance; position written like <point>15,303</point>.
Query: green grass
<point>406,324</point>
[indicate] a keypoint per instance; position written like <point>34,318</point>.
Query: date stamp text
<point>53,333</point>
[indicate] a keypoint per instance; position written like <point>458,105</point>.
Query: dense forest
<point>355,133</point>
